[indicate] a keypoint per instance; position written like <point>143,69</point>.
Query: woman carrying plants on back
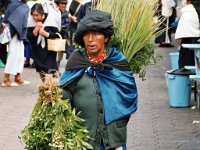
<point>98,82</point>
<point>40,28</point>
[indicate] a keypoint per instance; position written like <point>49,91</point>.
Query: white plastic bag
<point>5,36</point>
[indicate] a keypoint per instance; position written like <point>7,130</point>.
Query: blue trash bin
<point>174,59</point>
<point>179,87</point>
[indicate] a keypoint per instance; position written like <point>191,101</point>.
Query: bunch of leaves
<point>143,58</point>
<point>54,125</point>
<point>134,28</point>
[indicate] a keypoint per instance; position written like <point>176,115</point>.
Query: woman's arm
<point>68,90</point>
<point>49,32</point>
<point>31,37</point>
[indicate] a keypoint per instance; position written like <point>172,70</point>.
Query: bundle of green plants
<point>134,28</point>
<point>143,58</point>
<point>53,124</point>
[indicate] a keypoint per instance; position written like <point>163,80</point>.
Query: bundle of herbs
<point>53,124</point>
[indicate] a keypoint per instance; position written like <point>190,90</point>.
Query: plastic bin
<point>179,87</point>
<point>174,59</point>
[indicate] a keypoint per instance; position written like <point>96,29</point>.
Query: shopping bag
<point>5,36</point>
<point>57,44</point>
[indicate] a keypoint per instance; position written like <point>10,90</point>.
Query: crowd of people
<point>46,18</point>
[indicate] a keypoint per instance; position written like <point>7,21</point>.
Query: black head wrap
<point>94,20</point>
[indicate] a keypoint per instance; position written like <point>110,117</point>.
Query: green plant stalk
<point>133,24</point>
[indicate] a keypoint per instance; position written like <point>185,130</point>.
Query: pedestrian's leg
<point>59,58</point>
<point>3,53</point>
<point>6,80</point>
<point>42,76</point>
<point>17,77</point>
<point>27,54</point>
<point>19,80</point>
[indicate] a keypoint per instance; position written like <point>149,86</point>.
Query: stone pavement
<point>155,126</point>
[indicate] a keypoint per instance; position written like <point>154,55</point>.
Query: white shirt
<point>167,7</point>
<point>188,25</point>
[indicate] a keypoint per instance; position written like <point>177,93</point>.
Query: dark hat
<point>61,1</point>
<point>95,20</point>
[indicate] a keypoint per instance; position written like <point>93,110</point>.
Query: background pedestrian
<point>16,17</point>
<point>42,26</point>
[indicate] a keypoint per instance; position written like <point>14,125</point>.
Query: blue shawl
<point>17,16</point>
<point>115,81</point>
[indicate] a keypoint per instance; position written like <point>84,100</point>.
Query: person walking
<point>86,7</point>
<point>74,10</point>
<point>99,83</point>
<point>42,26</point>
<point>188,31</point>
<point>62,5</point>
<point>168,11</point>
<point>16,17</point>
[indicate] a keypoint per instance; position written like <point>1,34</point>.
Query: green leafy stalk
<point>134,27</point>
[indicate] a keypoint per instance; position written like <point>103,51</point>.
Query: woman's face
<point>37,16</point>
<point>94,42</point>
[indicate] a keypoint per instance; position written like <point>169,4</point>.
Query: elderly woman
<point>99,83</point>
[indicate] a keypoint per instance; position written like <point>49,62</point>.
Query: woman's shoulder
<point>188,8</point>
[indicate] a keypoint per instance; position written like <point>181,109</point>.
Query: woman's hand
<point>73,18</point>
<point>37,28</point>
<point>44,33</point>
<point>3,25</point>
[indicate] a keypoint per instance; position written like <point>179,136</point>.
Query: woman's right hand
<point>73,18</point>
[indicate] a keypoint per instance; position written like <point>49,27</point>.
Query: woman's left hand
<point>42,32</point>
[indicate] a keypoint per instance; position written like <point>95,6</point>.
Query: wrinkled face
<point>62,6</point>
<point>37,16</point>
<point>94,42</point>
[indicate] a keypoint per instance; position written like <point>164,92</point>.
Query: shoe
<point>32,65</point>
<point>27,64</point>
<point>21,82</point>
<point>5,84</point>
<point>8,84</point>
<point>13,84</point>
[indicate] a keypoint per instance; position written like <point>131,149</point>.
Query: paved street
<point>155,126</point>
